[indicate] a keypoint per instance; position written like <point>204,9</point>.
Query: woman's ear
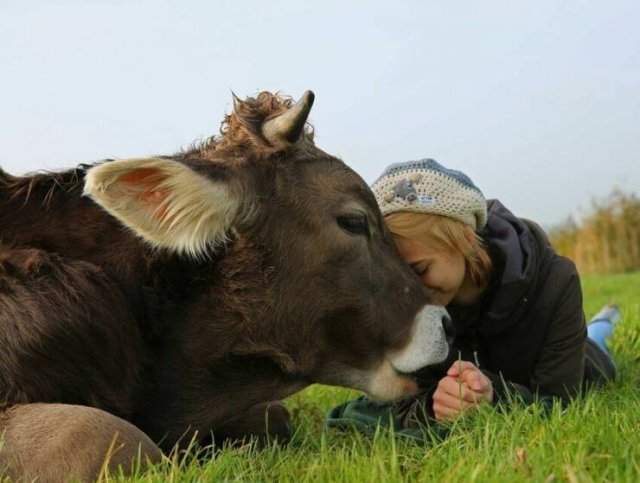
<point>165,202</point>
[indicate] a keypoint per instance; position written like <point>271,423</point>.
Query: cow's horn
<point>288,126</point>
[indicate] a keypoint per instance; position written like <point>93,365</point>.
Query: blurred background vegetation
<point>606,238</point>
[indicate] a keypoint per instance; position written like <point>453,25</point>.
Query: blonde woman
<point>516,305</point>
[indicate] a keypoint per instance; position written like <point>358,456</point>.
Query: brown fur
<point>91,315</point>
<point>240,131</point>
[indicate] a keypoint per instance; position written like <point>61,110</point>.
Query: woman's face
<point>443,271</point>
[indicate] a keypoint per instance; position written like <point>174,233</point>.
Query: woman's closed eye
<point>420,268</point>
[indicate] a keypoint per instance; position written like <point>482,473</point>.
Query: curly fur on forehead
<point>241,130</point>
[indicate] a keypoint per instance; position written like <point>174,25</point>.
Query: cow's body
<point>181,315</point>
<point>95,303</point>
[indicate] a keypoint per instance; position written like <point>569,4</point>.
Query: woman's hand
<point>464,387</point>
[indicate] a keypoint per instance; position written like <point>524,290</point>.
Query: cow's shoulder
<point>68,333</point>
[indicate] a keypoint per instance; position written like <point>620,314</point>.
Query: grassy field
<point>596,439</point>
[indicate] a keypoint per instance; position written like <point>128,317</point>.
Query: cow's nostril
<point>449,328</point>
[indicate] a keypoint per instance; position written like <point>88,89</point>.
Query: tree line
<point>606,239</point>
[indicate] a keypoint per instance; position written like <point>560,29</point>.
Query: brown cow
<point>183,293</point>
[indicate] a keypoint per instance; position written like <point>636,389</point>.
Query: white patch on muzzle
<point>427,346</point>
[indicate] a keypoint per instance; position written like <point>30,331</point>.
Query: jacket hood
<point>518,249</point>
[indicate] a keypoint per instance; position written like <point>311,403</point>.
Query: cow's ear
<point>165,202</point>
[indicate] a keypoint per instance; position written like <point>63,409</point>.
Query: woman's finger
<point>476,380</point>
<point>449,407</point>
<point>443,413</point>
<point>458,367</point>
<point>453,401</point>
<point>457,390</point>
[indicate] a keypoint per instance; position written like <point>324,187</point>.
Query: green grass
<point>596,439</point>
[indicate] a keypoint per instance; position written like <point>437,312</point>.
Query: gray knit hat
<point>426,186</point>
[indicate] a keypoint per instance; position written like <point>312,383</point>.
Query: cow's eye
<point>356,224</point>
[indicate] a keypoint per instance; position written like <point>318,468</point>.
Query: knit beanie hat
<point>426,186</point>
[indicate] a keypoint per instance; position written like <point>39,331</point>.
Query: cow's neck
<point>49,212</point>
<point>205,399</point>
<point>219,355</point>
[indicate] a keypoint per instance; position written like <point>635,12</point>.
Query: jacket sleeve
<point>559,370</point>
<point>560,367</point>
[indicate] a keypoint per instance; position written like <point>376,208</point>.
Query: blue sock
<point>602,324</point>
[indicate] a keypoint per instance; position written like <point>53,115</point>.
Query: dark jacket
<point>528,332</point>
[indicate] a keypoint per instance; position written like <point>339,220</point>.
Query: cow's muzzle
<point>429,344</point>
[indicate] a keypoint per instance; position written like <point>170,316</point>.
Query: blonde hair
<point>447,233</point>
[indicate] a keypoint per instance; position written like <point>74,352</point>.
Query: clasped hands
<point>463,388</point>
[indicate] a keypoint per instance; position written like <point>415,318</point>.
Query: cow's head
<point>339,305</point>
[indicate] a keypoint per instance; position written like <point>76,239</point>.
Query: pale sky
<point>538,102</point>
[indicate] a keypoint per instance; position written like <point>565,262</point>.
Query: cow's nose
<point>449,328</point>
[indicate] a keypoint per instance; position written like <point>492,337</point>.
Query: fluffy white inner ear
<point>165,202</point>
